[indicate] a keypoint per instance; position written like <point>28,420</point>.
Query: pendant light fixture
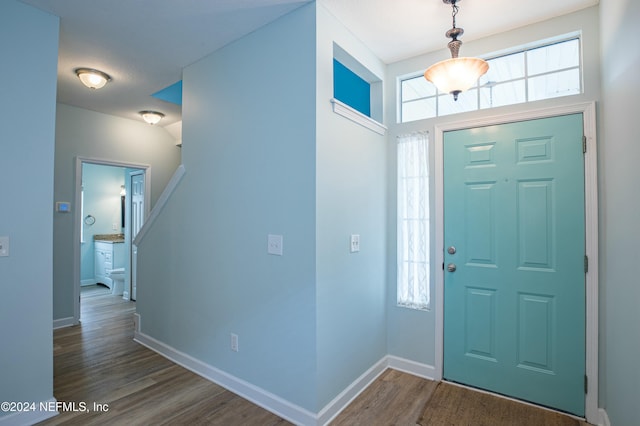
<point>455,75</point>
<point>151,117</point>
<point>91,78</point>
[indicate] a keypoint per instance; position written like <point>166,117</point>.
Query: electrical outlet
<point>114,226</point>
<point>274,244</point>
<point>4,246</point>
<point>354,243</point>
<point>234,342</point>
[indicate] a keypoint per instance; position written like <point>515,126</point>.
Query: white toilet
<point>117,277</point>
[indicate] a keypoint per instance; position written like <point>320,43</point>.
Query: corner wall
<point>619,205</point>
<point>351,192</point>
<point>29,43</point>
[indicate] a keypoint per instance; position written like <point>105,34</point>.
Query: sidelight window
<point>413,221</point>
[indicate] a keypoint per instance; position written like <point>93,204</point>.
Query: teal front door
<point>514,235</point>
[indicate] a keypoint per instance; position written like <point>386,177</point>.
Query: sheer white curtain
<point>413,221</point>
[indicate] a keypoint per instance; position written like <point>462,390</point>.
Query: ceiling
<point>144,44</point>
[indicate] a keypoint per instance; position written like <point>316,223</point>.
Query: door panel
<point>137,220</point>
<point>514,308</point>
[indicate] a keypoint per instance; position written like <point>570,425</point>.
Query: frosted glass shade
<point>151,117</point>
<point>93,79</point>
<point>456,75</point>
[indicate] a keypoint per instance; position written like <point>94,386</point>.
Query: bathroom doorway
<point>113,199</point>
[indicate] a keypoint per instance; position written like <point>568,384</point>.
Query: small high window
<point>350,89</point>
<point>542,72</point>
<point>357,91</point>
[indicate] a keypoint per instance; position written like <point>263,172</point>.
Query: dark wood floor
<point>98,362</point>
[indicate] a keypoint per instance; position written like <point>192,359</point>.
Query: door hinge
<point>586,263</point>
<point>586,384</point>
<point>584,144</point>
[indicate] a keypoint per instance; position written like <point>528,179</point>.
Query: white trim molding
<point>246,390</point>
<point>346,397</point>
<point>588,110</point>
<point>356,116</point>
<point>604,418</point>
<point>65,322</point>
<point>412,367</point>
<point>162,201</point>
<point>273,403</point>
<point>77,219</point>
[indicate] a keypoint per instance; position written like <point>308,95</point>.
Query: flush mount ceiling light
<point>151,117</point>
<point>91,78</point>
<point>455,75</point>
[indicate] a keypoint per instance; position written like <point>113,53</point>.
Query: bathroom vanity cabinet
<point>108,255</point>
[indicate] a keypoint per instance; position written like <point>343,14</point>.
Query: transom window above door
<point>541,71</point>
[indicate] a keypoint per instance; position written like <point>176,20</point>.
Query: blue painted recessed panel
<point>350,89</point>
<point>171,94</point>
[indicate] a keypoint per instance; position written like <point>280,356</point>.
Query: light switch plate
<point>354,245</point>
<point>4,246</point>
<point>274,244</point>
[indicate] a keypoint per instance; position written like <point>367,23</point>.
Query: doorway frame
<point>127,232</point>
<point>77,217</point>
<point>588,111</point>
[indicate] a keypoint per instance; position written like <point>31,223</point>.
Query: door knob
<point>451,267</point>
<point>451,250</point>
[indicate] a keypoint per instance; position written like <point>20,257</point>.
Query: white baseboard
<point>604,418</point>
<point>274,403</point>
<point>258,396</point>
<point>23,418</point>
<point>64,322</point>
<point>412,367</point>
<point>344,398</point>
<point>282,407</point>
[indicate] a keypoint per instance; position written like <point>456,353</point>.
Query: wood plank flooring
<point>98,362</point>
<point>394,398</point>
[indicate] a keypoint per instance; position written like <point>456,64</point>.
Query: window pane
<point>554,57</point>
<point>467,101</point>
<point>504,68</point>
<point>554,85</point>
<point>416,88</point>
<point>413,221</point>
<point>548,71</point>
<point>495,95</point>
<point>418,110</point>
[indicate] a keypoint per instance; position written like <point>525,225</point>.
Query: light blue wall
<point>101,187</point>
<point>88,134</point>
<point>264,156</point>
<point>350,199</point>
<point>249,155</point>
<point>619,207</point>
<point>412,333</point>
<point>29,46</point>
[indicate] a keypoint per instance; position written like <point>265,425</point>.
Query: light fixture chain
<point>454,12</point>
